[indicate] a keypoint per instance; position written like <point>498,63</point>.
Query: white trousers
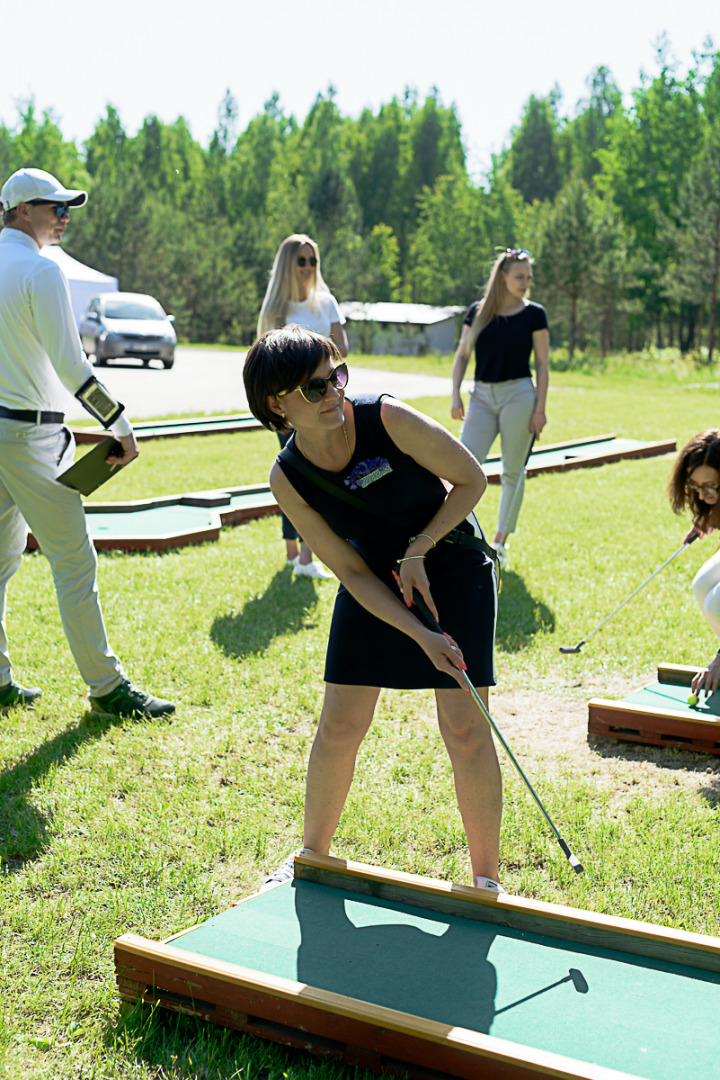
<point>31,457</point>
<point>506,409</point>
<point>706,589</point>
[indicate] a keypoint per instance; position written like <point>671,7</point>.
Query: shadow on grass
<point>190,1046</point>
<point>282,609</point>
<point>24,828</point>
<point>520,616</point>
<point>668,758</point>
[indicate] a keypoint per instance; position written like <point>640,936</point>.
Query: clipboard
<point>92,470</point>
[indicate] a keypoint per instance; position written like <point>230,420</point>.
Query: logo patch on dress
<point>367,472</point>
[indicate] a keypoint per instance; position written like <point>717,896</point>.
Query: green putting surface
<point>592,451</point>
<point>662,695</point>
<point>171,429</point>
<point>637,1015</point>
<point>152,523</point>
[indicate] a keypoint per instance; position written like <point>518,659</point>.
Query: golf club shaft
<point>430,621</point>
<point>642,586</point>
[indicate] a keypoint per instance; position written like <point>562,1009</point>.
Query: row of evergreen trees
<point>620,206</point>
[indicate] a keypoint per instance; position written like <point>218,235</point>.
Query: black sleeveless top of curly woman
<point>363,650</point>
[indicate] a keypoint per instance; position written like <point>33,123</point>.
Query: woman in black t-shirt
<point>504,328</point>
<point>408,486</point>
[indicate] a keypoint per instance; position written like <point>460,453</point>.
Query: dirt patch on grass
<point>547,730</point>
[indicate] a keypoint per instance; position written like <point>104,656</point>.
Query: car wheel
<point>167,364</point>
<point>100,360</point>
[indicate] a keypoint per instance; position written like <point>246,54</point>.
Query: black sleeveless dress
<point>363,650</point>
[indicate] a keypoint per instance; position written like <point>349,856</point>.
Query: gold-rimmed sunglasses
<point>314,390</point>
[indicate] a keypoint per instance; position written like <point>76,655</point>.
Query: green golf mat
<point>646,1017</point>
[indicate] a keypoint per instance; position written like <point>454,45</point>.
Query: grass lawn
<point>108,827</point>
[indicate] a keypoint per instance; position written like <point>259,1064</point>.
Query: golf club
<point>431,622</point>
<point>574,976</point>
<point>578,647</point>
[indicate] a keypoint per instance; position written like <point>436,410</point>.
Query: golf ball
<point>693,699</point>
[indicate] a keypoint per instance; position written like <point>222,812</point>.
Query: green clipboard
<point>92,470</point>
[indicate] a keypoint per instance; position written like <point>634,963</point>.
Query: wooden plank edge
<point>677,674</point>
<point>629,710</point>
<point>306,863</point>
<point>502,1051</point>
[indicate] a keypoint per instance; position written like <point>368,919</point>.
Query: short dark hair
<point>9,216</point>
<point>282,360</point>
<point>703,449</point>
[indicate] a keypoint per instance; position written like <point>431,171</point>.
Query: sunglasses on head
<point>517,251</point>
<point>314,390</point>
<point>61,208</point>
<point>302,260</point>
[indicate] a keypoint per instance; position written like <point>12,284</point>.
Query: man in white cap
<point>41,359</point>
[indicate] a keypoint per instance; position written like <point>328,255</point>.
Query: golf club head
<point>571,648</point>
<point>578,981</point>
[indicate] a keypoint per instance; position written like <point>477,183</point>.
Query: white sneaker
<point>488,883</point>
<point>312,569</point>
<point>286,869</point>
<point>292,563</point>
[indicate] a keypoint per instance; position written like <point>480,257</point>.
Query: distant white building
<point>401,329</point>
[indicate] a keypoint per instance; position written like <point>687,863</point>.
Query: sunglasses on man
<point>302,260</point>
<point>314,390</point>
<point>61,208</point>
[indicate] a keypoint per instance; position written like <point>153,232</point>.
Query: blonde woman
<point>297,294</point>
<point>504,329</point>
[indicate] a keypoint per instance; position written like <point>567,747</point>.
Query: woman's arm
<point>338,335</point>
<point>460,363</point>
<point>358,579</point>
<point>431,446</point>
<point>541,348</point>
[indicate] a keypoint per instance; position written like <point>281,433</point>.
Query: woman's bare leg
<point>478,783</point>
<point>346,716</point>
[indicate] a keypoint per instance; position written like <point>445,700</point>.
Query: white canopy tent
<point>84,282</point>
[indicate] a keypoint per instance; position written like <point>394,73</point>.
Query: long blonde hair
<point>283,288</point>
<point>496,293</point>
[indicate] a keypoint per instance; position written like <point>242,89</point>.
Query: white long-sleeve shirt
<point>41,356</point>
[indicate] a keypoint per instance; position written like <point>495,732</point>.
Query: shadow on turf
<point>23,827</point>
<point>520,615</point>
<point>283,608</point>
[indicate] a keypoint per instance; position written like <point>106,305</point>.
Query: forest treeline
<point>618,203</point>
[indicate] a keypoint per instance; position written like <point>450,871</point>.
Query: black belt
<point>28,416</point>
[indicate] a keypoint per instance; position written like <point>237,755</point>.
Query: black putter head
<point>571,648</point>
<point>578,981</point>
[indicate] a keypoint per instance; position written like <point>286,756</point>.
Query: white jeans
<point>31,457</point>
<point>505,408</point>
<point>706,589</point>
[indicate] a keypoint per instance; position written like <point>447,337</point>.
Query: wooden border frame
<point>220,502</point>
<point>167,429</point>
<point>372,1036</point>
<point>535,466</point>
<point>624,721</point>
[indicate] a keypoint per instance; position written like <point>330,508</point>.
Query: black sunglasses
<point>61,208</point>
<point>314,390</point>
<point>302,260</point>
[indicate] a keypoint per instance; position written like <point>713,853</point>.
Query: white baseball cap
<point>28,184</point>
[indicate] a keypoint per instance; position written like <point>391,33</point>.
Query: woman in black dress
<point>376,488</point>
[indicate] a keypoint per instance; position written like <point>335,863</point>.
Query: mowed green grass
<point>150,827</point>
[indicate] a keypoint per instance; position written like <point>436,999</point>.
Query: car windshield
<point>133,309</point>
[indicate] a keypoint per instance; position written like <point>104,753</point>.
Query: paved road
<point>210,381</point>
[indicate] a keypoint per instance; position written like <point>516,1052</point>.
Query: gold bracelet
<point>426,535</point>
<point>407,558</point>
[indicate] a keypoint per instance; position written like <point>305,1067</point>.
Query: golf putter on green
<point>432,623</point>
